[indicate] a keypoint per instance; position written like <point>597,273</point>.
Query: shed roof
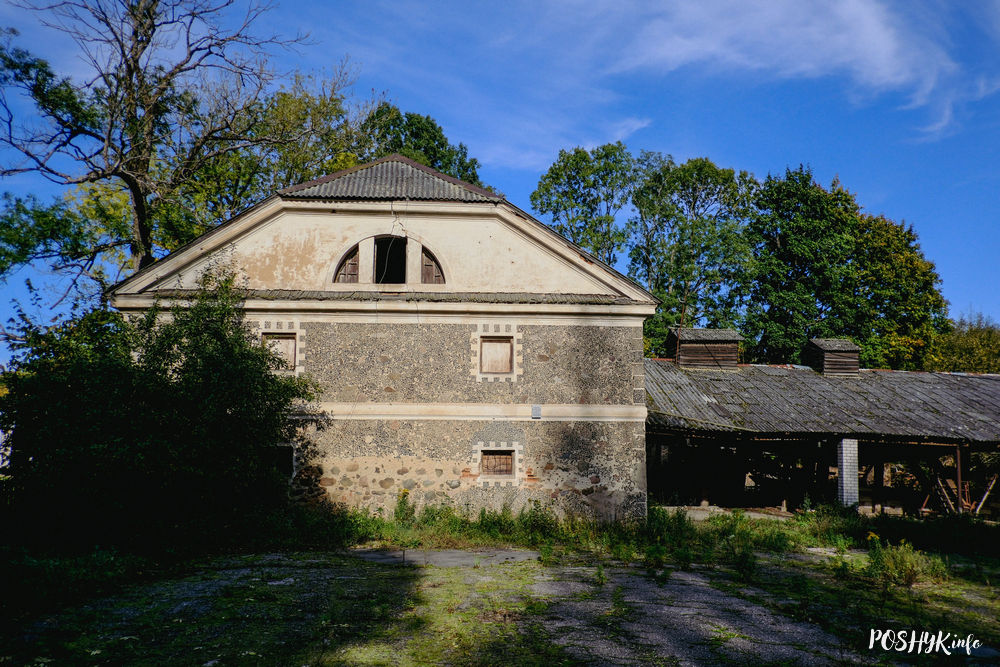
<point>767,401</point>
<point>708,335</point>
<point>391,178</point>
<point>835,344</point>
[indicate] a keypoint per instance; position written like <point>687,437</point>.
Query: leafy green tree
<point>387,130</point>
<point>797,284</point>
<point>970,344</point>
<point>583,191</point>
<point>686,245</point>
<point>235,180</point>
<point>177,90</point>
<point>145,432</point>
<point>898,307</point>
<point>822,268</point>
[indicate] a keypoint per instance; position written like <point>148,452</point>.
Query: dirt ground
<point>395,608</point>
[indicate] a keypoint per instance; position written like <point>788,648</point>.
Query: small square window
<point>496,355</point>
<point>283,345</point>
<point>497,463</point>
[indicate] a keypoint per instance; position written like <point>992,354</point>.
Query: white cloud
<point>865,41</point>
<point>626,127</point>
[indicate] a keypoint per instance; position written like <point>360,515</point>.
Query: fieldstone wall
<point>593,467</point>
<point>585,468</point>
<point>417,363</point>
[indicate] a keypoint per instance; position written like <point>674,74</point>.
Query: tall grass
<point>663,537</point>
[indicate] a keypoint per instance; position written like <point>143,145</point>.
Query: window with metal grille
<point>497,463</point>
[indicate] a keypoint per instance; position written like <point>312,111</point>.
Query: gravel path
<point>240,610</point>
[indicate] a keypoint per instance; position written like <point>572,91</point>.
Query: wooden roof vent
<point>833,356</point>
<point>705,348</point>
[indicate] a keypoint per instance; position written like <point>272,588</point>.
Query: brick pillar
<point>847,472</point>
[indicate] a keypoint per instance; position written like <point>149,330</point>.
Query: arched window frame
<point>365,251</point>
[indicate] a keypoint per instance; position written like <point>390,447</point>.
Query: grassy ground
<point>302,609</point>
<point>844,573</point>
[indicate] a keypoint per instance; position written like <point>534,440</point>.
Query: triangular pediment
<point>293,243</point>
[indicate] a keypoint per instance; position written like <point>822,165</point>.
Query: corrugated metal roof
<point>784,400</point>
<point>393,178</point>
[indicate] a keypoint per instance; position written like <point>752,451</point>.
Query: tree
<point>584,191</point>
<point>176,87</point>
<point>823,268</point>
<point>157,429</point>
<point>898,309</point>
<point>387,130</point>
<point>686,242</point>
<point>797,284</point>
<point>232,181</point>
<point>970,344</point>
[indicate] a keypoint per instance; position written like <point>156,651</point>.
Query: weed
<point>405,511</point>
<point>901,564</point>
<point>600,578</point>
<point>623,552</point>
<point>721,635</point>
<point>656,555</point>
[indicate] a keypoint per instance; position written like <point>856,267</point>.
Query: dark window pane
<point>390,260</point>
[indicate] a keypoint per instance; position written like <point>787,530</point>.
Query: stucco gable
<point>295,241</point>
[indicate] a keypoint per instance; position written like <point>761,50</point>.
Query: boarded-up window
<point>430,270</point>
<point>497,463</point>
<point>347,272</point>
<point>283,345</point>
<point>496,355</point>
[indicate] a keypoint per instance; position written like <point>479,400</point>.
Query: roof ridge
<point>395,157</point>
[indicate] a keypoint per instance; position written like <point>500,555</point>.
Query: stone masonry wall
<point>592,467</point>
<point>584,468</point>
<point>416,363</point>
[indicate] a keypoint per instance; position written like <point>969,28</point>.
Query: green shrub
<point>536,524</point>
<point>655,555</point>
<point>147,434</point>
<point>901,564</point>
<point>735,535</point>
<point>405,511</point>
<point>675,531</point>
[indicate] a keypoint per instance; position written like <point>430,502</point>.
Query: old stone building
<point>465,351</point>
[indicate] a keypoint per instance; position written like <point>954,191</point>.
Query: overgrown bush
<point>155,432</point>
<point>675,532</point>
<point>736,536</point>
<point>901,564</point>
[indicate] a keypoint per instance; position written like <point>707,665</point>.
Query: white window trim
<point>496,330</point>
<point>511,480</point>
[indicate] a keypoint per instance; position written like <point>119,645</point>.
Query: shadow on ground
<point>256,610</point>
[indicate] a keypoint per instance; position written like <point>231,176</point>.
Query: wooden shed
<point>763,434</point>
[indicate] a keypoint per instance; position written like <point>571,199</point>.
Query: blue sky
<point>899,100</point>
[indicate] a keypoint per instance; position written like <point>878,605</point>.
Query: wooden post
<point>878,499</point>
<point>958,476</point>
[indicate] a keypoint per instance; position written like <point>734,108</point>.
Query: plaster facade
<point>518,378</point>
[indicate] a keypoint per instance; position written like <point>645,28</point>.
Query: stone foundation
<point>593,469</point>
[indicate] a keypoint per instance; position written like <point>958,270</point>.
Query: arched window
<point>390,260</point>
<point>347,272</point>
<point>390,263</point>
<point>430,269</point>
